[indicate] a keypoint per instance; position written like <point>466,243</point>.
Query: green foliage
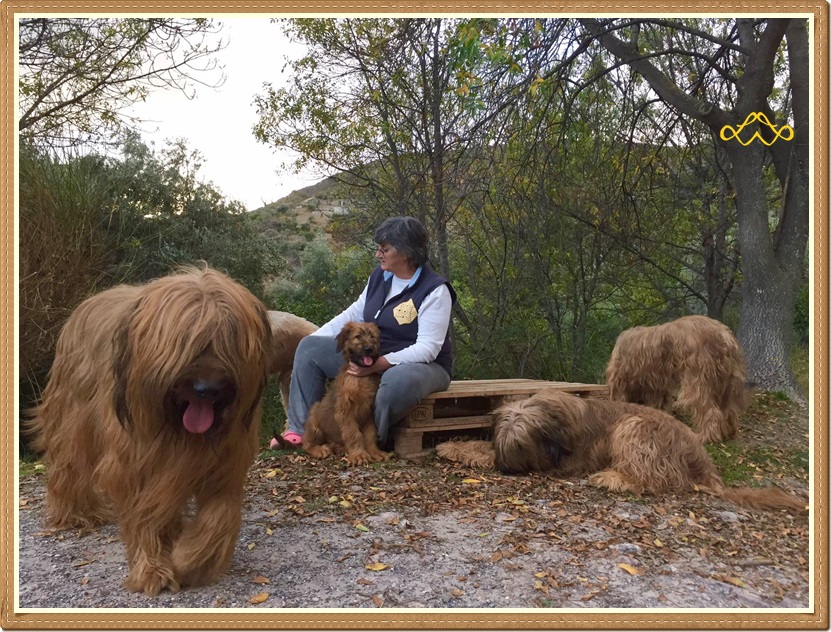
<point>325,282</point>
<point>274,415</point>
<point>801,320</point>
<point>68,249</point>
<point>801,366</point>
<point>733,470</point>
<point>87,223</point>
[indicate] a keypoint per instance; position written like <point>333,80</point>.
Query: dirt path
<point>431,535</point>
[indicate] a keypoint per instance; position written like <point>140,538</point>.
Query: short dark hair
<point>408,236</point>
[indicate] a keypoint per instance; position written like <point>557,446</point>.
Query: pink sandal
<point>287,441</point>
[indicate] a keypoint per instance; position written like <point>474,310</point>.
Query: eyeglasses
<point>383,250</point>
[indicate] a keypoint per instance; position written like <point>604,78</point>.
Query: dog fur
<point>154,400</point>
<point>698,354</point>
<point>287,330</point>
<point>620,446</point>
<point>344,420</point>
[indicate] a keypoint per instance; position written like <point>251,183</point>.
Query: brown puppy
<point>154,399</point>
<point>344,420</point>
<point>696,353</point>
<point>623,447</point>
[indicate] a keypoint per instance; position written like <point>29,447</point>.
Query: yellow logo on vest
<point>785,132</point>
<point>405,313</point>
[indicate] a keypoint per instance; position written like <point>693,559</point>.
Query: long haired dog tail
<point>770,498</point>
<point>763,498</point>
<point>478,454</point>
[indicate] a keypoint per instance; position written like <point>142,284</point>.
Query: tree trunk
<point>769,289</point>
<point>771,266</point>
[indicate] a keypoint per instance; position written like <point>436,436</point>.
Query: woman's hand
<point>379,366</point>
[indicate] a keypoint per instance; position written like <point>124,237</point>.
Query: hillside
<point>311,206</point>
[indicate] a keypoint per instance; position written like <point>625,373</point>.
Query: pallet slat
<point>485,388</point>
<point>449,423</point>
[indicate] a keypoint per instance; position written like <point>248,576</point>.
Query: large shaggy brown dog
<point>344,421</point>
<point>698,354</point>
<point>287,331</point>
<point>154,399</point>
<point>623,447</point>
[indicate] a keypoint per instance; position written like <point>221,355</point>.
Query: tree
<point>90,222</point>
<point>725,73</point>
<point>77,75</point>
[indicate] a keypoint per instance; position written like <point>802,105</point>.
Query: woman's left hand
<point>379,366</point>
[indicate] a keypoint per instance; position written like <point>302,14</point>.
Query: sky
<point>218,121</point>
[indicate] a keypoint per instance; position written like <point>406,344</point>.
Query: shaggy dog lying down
<point>623,447</point>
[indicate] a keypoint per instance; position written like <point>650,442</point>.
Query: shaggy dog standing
<point>698,354</point>
<point>623,447</point>
<point>343,420</point>
<point>287,331</point>
<point>154,399</point>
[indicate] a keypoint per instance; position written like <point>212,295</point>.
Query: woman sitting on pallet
<point>411,305</point>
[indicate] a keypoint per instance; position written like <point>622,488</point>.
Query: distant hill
<point>313,204</point>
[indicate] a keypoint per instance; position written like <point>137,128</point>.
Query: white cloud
<point>219,121</point>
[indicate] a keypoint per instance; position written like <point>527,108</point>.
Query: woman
<point>416,357</point>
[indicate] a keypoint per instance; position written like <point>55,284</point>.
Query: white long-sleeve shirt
<point>433,322</point>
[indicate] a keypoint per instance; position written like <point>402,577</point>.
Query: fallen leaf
<point>471,481</point>
<point>376,566</point>
<point>81,563</point>
<point>365,582</point>
<point>258,598</point>
<point>629,569</point>
<point>378,600</point>
<point>259,579</point>
<point>730,580</point>
<point>456,592</point>
<point>251,546</point>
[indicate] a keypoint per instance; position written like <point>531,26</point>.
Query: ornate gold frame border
<point>10,618</point>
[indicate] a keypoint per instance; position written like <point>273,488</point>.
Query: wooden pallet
<point>468,404</point>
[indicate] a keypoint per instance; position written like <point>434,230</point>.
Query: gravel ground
<point>429,534</point>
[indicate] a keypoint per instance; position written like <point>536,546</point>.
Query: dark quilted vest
<point>398,333</point>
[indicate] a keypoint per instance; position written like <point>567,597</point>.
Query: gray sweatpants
<point>402,386</point>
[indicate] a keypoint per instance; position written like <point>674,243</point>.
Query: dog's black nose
<point>206,389</point>
<point>368,350</point>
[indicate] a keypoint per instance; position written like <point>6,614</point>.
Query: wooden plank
<point>485,388</point>
<point>448,423</point>
<point>407,445</point>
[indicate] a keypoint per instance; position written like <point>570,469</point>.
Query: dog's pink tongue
<point>199,416</point>
<point>367,360</point>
